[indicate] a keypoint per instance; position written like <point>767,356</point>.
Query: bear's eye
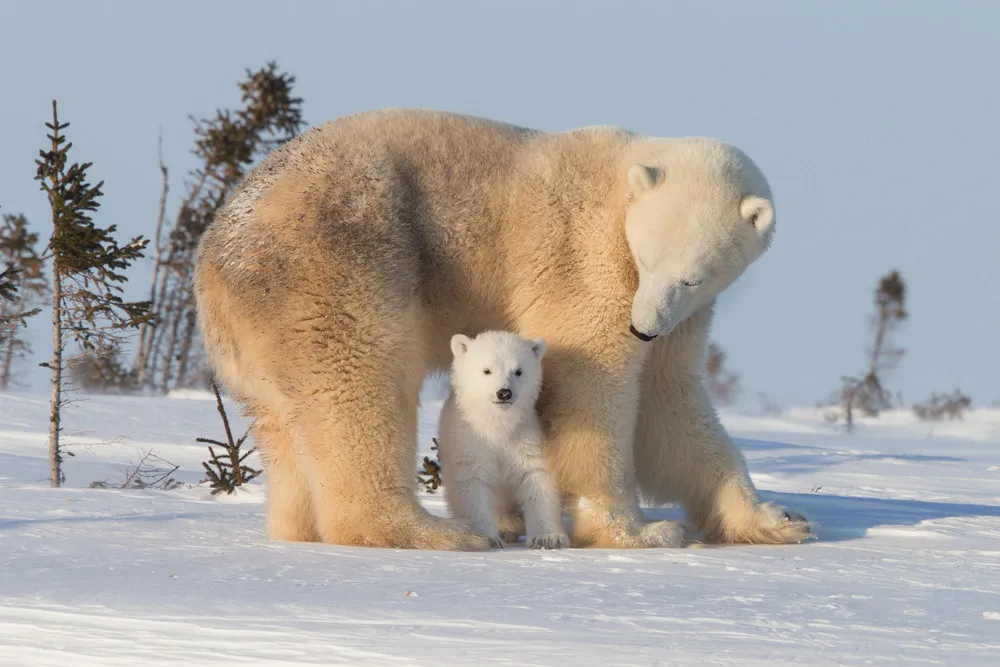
<point>486,371</point>
<point>691,283</point>
<point>518,372</point>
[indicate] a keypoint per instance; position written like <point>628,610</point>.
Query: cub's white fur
<point>490,440</point>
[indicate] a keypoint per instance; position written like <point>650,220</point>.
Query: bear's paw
<point>549,541</point>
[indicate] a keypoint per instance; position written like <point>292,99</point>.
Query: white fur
<point>491,450</point>
<point>689,249</point>
<point>332,282</point>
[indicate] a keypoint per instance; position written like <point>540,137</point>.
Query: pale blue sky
<point>877,123</point>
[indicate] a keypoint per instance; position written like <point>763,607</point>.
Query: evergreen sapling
<point>87,273</point>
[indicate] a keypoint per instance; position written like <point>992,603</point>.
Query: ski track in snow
<point>905,570</point>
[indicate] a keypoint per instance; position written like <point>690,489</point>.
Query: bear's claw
<point>549,541</point>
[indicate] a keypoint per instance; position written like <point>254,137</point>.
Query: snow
<point>905,570</point>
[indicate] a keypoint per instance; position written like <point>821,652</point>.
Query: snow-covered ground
<point>906,569</point>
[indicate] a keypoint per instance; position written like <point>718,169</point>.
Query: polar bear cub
<point>490,439</point>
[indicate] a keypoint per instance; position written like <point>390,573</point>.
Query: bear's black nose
<point>504,394</point>
<point>645,338</point>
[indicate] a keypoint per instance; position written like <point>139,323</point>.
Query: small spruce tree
<point>228,471</point>
<point>102,371</point>
<point>430,473</point>
<point>943,406</point>
<point>867,392</point>
<point>169,353</point>
<point>10,285</point>
<point>721,384</point>
<point>23,287</point>
<point>8,289</point>
<point>87,278</point>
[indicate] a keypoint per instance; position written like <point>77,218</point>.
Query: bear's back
<point>443,164</point>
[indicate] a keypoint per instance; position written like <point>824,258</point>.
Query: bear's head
<point>497,371</point>
<point>699,212</point>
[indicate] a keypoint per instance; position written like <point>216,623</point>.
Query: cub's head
<point>699,212</point>
<point>497,370</point>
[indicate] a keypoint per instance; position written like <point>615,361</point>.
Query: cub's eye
<point>518,372</point>
<point>691,283</point>
<point>486,371</point>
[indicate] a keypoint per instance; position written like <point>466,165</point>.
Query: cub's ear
<point>460,344</point>
<point>538,347</point>
<point>759,212</point>
<point>642,178</point>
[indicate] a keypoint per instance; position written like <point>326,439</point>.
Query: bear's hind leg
<point>290,514</point>
<point>355,410</point>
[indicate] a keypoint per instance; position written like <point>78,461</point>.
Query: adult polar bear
<point>335,276</point>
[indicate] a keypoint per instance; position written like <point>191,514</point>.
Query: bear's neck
<point>492,424</point>
<point>580,213</point>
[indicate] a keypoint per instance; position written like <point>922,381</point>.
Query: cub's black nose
<point>504,394</point>
<point>645,338</point>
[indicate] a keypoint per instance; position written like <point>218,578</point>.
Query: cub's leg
<point>541,507</point>
<point>471,499</point>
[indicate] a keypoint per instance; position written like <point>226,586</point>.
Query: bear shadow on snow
<point>156,518</point>
<point>844,518</point>
<point>837,518</point>
<point>831,456</point>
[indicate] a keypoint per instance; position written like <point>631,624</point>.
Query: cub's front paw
<point>496,542</point>
<point>549,541</point>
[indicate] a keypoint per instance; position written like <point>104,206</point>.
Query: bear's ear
<point>759,212</point>
<point>642,178</point>
<point>460,344</point>
<point>538,347</point>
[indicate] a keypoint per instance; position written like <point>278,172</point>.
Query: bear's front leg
<point>510,518</point>
<point>472,500</point>
<point>542,510</point>
<point>588,409</point>
<point>684,455</point>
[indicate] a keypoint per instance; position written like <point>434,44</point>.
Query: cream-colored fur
<point>334,278</point>
<point>490,440</point>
